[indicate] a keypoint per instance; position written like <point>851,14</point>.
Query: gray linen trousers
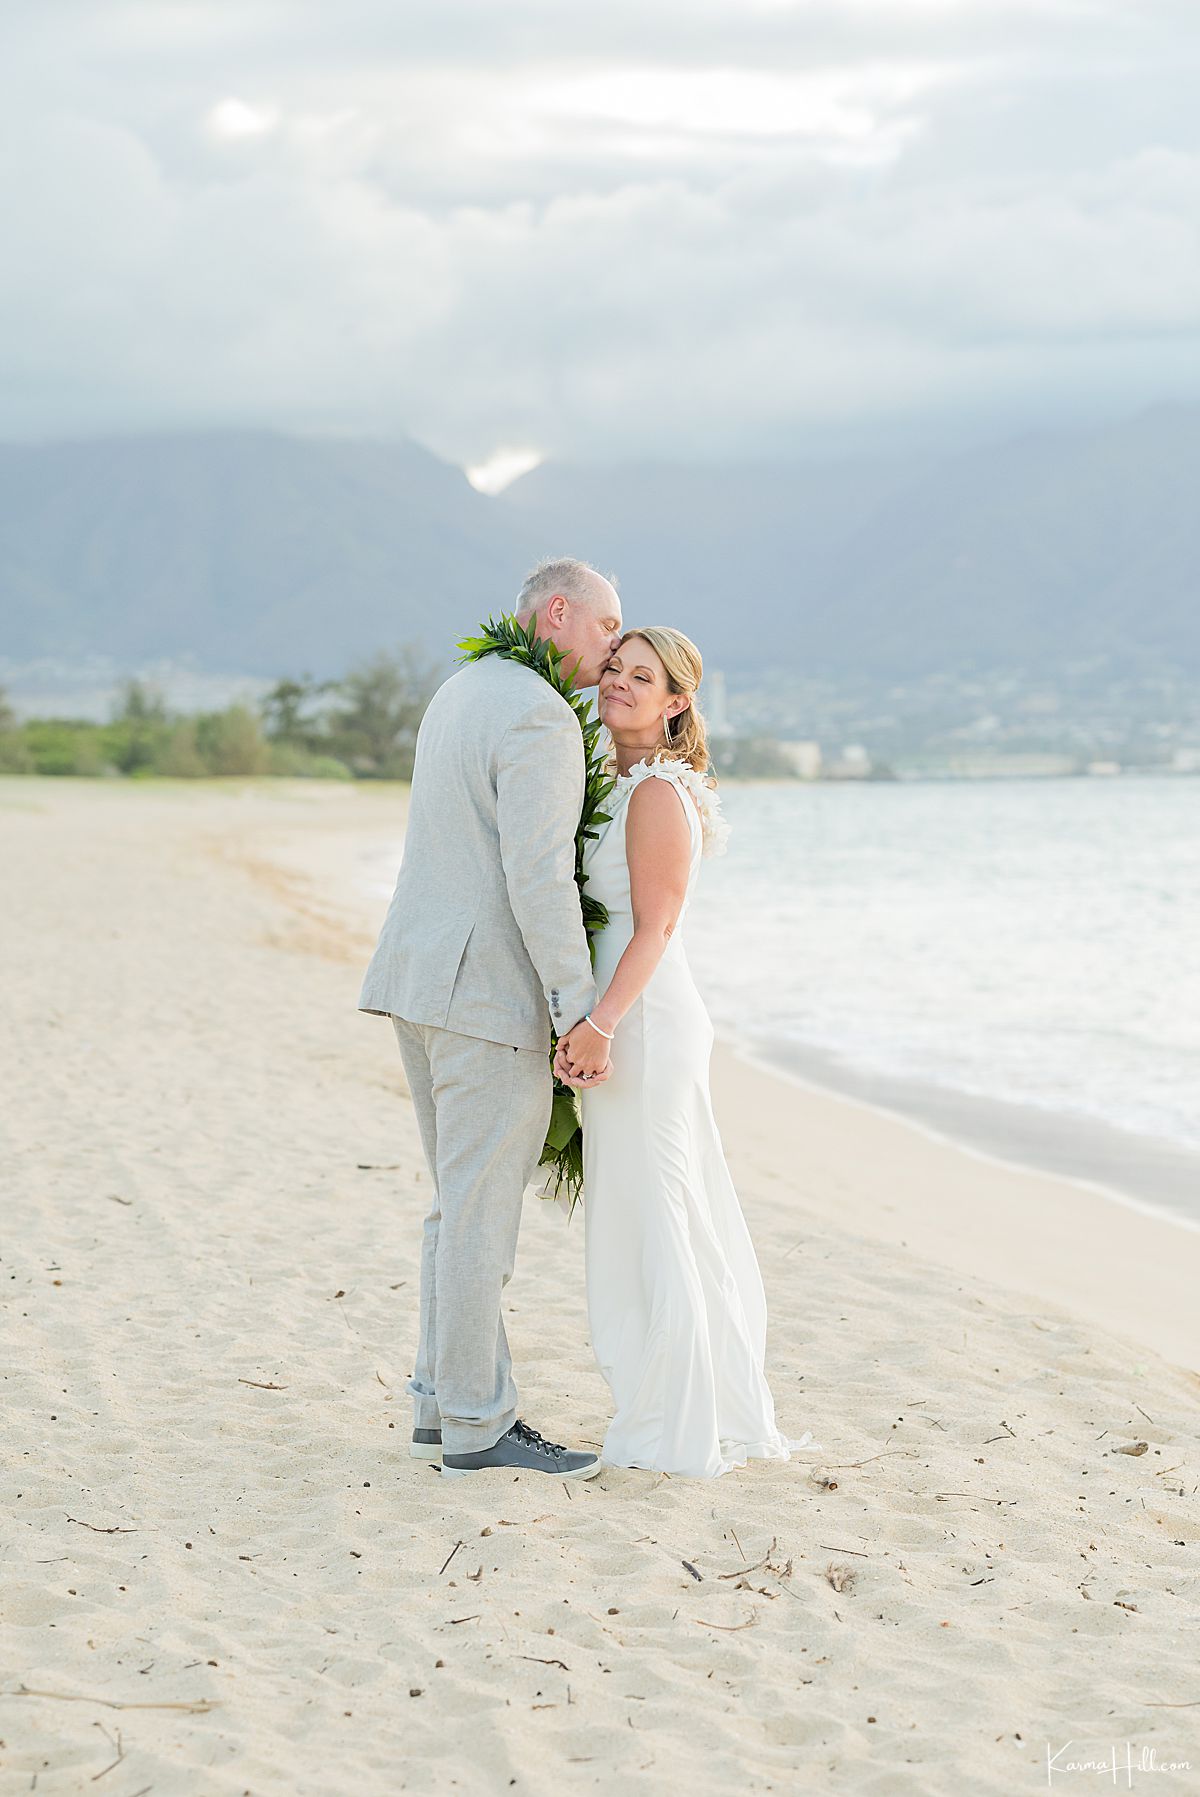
<point>482,946</point>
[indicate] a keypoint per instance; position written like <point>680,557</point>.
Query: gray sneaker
<point>426,1444</point>
<point>523,1450</point>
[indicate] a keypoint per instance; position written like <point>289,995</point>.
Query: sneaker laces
<point>538,1443</point>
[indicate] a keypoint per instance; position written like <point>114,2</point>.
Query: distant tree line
<point>363,726</point>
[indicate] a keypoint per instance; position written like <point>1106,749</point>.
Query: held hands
<point>582,1058</point>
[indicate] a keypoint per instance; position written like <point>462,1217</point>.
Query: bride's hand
<point>582,1058</point>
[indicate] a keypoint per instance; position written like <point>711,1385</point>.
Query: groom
<point>482,946</point>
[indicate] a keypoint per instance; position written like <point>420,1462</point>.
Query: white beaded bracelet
<point>588,1019</point>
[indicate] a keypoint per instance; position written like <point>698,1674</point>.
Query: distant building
<point>854,763</point>
<point>714,703</point>
<point>804,757</point>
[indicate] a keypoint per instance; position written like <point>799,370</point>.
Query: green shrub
<point>14,753</point>
<point>231,742</point>
<point>299,764</point>
<point>137,737</point>
<point>65,746</point>
<point>180,758</point>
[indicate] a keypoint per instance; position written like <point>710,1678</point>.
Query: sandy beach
<point>223,1574</point>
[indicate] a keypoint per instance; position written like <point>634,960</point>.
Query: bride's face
<point>634,697</point>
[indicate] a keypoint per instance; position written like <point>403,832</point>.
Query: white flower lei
<point>714,826</point>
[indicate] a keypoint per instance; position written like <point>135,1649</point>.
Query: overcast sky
<point>599,232</point>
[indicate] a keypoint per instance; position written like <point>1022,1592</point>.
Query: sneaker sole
<point>472,1472</point>
<point>425,1450</point>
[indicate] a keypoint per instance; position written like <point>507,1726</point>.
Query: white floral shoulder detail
<point>714,826</point>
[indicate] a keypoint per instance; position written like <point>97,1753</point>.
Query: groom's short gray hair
<point>558,574</point>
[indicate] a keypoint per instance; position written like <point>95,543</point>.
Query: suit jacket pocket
<point>441,958</point>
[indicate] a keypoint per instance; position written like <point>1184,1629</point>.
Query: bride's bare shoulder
<point>701,791</point>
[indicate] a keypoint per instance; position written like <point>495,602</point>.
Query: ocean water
<point>1013,963</point>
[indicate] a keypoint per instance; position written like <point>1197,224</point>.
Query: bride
<point>675,1297</point>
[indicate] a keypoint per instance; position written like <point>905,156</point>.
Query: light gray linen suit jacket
<point>484,934</point>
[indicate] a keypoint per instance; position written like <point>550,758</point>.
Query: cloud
<point>504,466</point>
<point>705,230</point>
<point>234,118</point>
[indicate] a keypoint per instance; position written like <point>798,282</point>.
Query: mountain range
<point>264,554</point>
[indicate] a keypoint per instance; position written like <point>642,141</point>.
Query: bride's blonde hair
<point>687,739</point>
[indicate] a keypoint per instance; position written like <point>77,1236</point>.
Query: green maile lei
<point>563,1152</point>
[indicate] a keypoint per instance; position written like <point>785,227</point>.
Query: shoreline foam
<point>1074,1149</point>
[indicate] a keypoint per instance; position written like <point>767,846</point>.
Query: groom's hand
<point>580,1082</point>
<point>572,1076</point>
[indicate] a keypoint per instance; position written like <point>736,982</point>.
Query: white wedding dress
<point>675,1297</point>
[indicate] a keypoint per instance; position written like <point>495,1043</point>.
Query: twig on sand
<point>728,1628</point>
<point>449,1557</point>
<point>887,1454</point>
<point>540,1662</point>
<point>96,1528</point>
<point>117,1744</point>
<point>262,1384</point>
<point>781,1573</point>
<point>739,1572</point>
<point>199,1707</point>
